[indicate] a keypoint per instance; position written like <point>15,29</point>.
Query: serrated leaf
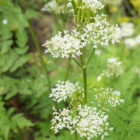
<point>20,62</point>
<point>21,121</point>
<point>22,38</point>
<point>21,51</point>
<point>5,46</point>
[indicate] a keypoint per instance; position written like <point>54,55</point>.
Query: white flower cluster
<point>62,119</point>
<point>101,33</point>
<point>91,123</point>
<point>132,42</point>
<point>53,6</point>
<point>64,90</point>
<point>88,122</point>
<point>127,29</point>
<point>93,5</point>
<point>106,96</point>
<point>64,45</point>
<point>113,69</point>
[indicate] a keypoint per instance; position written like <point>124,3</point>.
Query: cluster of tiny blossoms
<point>132,42</point>
<point>64,90</point>
<point>92,123</point>
<point>64,45</point>
<point>88,122</point>
<point>62,119</point>
<point>100,32</point>
<point>113,69</point>
<point>106,96</point>
<point>93,5</point>
<point>127,29</point>
<point>53,6</point>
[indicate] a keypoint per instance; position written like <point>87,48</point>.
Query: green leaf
<point>21,121</point>
<point>22,37</point>
<point>31,13</point>
<point>20,62</point>
<point>21,51</point>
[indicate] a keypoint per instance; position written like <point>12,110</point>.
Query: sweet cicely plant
<point>91,30</point>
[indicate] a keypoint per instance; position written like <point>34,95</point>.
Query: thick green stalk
<point>40,53</point>
<point>68,68</point>
<point>76,138</point>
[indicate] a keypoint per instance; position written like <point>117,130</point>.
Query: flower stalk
<point>40,53</point>
<point>85,85</point>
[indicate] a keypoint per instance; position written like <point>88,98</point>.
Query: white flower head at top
<point>93,5</point>
<point>64,45</point>
<point>64,90</point>
<point>127,29</point>
<point>91,123</point>
<point>113,69</point>
<point>107,96</point>
<point>100,32</point>
<point>54,7</point>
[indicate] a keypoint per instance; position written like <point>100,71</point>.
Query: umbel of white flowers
<point>89,122</point>
<point>99,33</point>
<point>106,96</point>
<point>127,29</point>
<point>113,69</point>
<point>64,90</point>
<point>54,7</point>
<point>132,43</point>
<point>93,5</point>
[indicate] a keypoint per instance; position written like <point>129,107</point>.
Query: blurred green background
<point>25,108</point>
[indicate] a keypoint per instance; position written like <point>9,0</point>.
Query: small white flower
<point>53,6</point>
<point>113,69</point>
<point>132,43</point>
<point>69,4</point>
<point>5,21</point>
<point>127,29</point>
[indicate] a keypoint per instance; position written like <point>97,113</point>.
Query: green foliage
<point>11,123</point>
<point>23,77</point>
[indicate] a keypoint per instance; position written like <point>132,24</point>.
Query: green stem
<point>76,138</point>
<point>77,62</point>
<point>85,85</point>
<point>90,57</point>
<point>40,53</point>
<point>68,68</point>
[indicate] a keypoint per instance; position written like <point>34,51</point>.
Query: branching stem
<point>40,53</point>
